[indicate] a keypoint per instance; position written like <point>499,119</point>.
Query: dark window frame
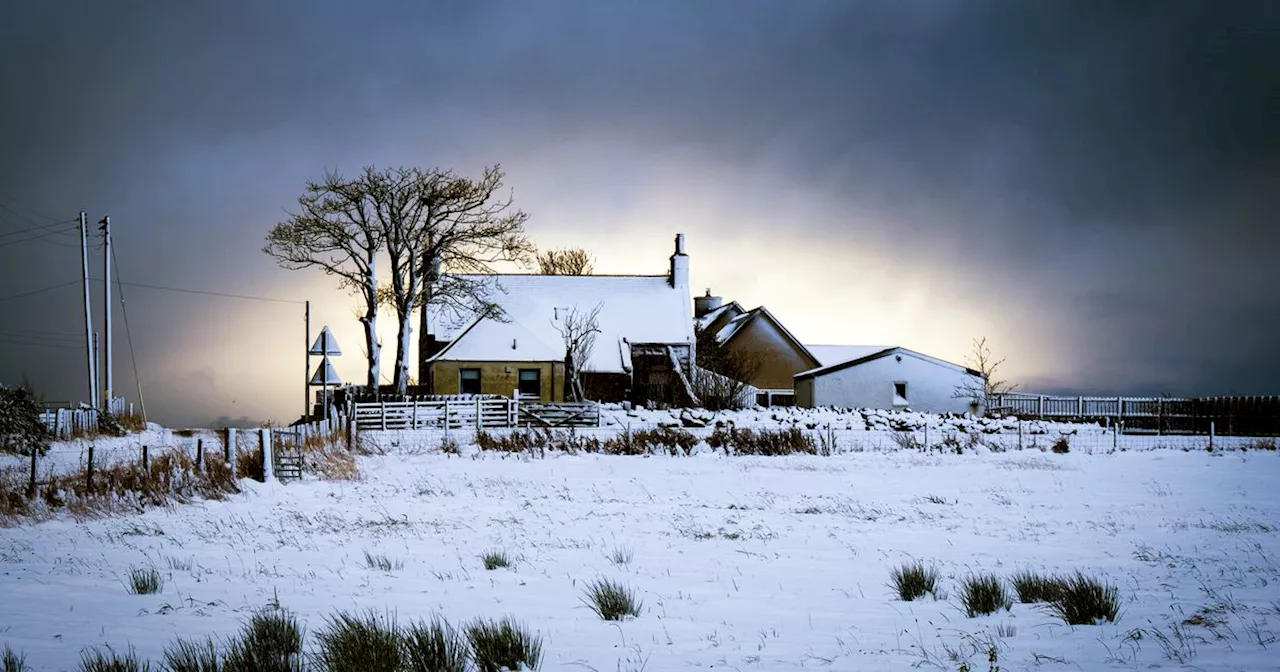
<point>537,383</point>
<point>463,380</point>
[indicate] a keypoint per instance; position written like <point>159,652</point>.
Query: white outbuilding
<point>891,378</point>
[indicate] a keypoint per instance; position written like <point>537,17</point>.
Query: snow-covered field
<point>764,563</point>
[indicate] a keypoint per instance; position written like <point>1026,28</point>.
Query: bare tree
<point>569,261</point>
<point>464,227</point>
<point>335,230</point>
<point>987,365</point>
<point>722,378</point>
<point>433,219</point>
<point>578,328</point>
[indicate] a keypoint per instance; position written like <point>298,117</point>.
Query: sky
<point>1094,187</point>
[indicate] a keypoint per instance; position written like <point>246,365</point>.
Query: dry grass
<point>762,442</point>
<point>171,477</point>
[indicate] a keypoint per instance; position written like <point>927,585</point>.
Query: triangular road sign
<point>325,344</point>
<point>325,375</point>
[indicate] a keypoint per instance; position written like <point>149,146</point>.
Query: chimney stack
<point>679,277</point>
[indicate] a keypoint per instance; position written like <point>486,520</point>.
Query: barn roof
<point>637,308</point>
<point>884,352</point>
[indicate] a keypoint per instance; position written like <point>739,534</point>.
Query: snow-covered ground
<point>744,563</point>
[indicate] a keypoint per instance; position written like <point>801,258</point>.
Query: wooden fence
<point>1237,415</point>
<point>473,413</point>
<point>65,423</point>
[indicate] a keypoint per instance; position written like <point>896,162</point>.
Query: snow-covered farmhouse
<point>755,335</point>
<point>887,378</point>
<point>642,351</point>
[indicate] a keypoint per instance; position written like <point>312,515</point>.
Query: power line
<point>42,228</point>
<point>33,211</point>
<point>39,291</point>
<point>133,359</point>
<point>207,293</point>
<point>36,344</point>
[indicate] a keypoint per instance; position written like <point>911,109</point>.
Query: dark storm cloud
<point>1115,162</point>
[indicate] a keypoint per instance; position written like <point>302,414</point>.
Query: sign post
<point>324,376</point>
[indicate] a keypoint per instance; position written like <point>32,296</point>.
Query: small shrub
<point>503,645</point>
<point>1061,445</point>
<point>435,647</point>
<point>1268,443</point>
<point>913,580</point>
<point>270,642</point>
<point>12,661</point>
<point>189,656</point>
<point>621,555</point>
<point>110,661</point>
<point>907,440</point>
<point>1085,600</point>
<point>449,445</point>
<point>21,429</point>
<point>382,562</point>
<point>660,440</point>
<point>768,443</point>
<point>495,559</point>
<point>983,594</point>
<point>145,581</point>
<point>612,601</point>
<point>356,643</point>
<point>1032,587</point>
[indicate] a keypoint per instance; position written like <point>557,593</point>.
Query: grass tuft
<point>622,555</point>
<point>1085,600</point>
<point>12,661</point>
<point>382,562</point>
<point>612,601</point>
<point>495,559</point>
<point>1032,587</point>
<point>435,647</point>
<point>1061,445</point>
<point>983,594</point>
<point>145,581</point>
<point>355,643</point>
<point>270,642</point>
<point>913,580</point>
<point>189,656</point>
<point>503,645</point>
<point>110,661</point>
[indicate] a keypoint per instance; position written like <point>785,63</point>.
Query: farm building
<point>889,378</point>
<point>642,351</point>
<point>755,336</point>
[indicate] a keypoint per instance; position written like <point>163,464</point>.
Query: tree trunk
<point>370,321</point>
<point>405,318</point>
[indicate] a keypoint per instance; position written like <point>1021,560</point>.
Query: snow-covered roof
<point>640,309</point>
<point>711,316</point>
<point>828,355</point>
<point>877,353</point>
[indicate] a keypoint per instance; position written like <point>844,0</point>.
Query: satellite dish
<point>325,344</point>
<point>325,374</point>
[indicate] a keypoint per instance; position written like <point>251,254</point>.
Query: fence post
<point>351,428</point>
<point>478,424</point>
<point>31,487</point>
<point>231,450</point>
<point>1115,437</point>
<point>515,407</point>
<point>88,477</point>
<point>199,453</point>
<point>1159,416</point>
<point>1080,407</point>
<point>1019,433</point>
<point>1211,428</point>
<point>1040,407</point>
<point>415,413</point>
<point>146,461</point>
<point>264,437</point>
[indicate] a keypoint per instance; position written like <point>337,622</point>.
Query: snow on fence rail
<point>473,413</point>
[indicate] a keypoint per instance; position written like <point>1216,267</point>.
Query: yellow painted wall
<point>495,379</point>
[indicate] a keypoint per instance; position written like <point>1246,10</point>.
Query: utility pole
<point>306,372</point>
<point>106,302</point>
<point>88,316</point>
<point>96,371</point>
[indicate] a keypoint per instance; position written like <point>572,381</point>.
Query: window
<point>469,381</point>
<point>531,383</point>
<point>900,394</point>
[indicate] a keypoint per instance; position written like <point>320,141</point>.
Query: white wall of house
<point>930,386</point>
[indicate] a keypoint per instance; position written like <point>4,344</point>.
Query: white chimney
<point>679,278</point>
